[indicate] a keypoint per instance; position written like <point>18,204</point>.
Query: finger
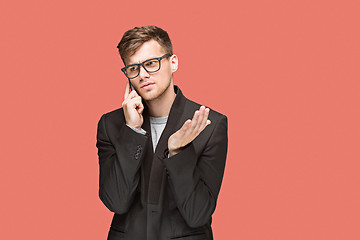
<point>195,118</point>
<point>200,121</point>
<point>205,120</point>
<point>191,132</point>
<point>185,127</point>
<point>135,102</point>
<point>131,97</point>
<point>127,90</point>
<point>140,108</point>
<point>193,124</point>
<point>129,104</point>
<point>133,94</point>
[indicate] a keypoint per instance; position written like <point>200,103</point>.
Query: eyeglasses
<point>151,65</point>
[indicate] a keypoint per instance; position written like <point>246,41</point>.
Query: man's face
<point>151,86</point>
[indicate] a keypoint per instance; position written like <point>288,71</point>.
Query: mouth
<point>147,85</point>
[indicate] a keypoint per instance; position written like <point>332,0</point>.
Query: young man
<point>161,156</point>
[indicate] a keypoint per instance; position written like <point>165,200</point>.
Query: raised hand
<point>133,108</point>
<point>189,131</point>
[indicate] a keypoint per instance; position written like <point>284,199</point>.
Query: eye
<point>132,68</point>
<point>151,63</point>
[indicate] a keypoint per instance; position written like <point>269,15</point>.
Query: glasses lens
<point>152,65</point>
<point>132,71</point>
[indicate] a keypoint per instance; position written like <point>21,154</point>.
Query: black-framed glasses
<point>151,65</point>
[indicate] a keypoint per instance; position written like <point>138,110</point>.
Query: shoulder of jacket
<point>213,115</point>
<point>114,115</point>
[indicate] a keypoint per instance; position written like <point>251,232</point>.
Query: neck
<point>160,107</point>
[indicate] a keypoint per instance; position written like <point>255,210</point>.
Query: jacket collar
<point>173,123</point>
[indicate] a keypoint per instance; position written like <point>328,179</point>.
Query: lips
<point>146,85</point>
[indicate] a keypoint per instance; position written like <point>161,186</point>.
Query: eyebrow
<point>142,61</point>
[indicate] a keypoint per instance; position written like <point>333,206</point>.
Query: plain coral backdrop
<point>285,72</point>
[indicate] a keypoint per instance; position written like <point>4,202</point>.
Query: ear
<point>174,62</point>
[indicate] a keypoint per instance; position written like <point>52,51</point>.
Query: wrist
<point>133,126</point>
<point>173,152</point>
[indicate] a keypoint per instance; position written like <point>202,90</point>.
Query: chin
<point>152,95</point>
<point>149,97</point>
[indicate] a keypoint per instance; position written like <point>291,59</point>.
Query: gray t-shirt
<point>157,125</point>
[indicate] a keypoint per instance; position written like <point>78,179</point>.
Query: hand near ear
<point>133,108</point>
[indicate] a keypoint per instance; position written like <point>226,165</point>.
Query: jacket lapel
<point>148,158</point>
<point>154,168</point>
<point>173,122</point>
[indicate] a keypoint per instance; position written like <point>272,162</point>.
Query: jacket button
<point>138,151</point>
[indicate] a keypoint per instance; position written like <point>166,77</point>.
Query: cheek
<point>163,77</point>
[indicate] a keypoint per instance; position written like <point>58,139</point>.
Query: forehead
<point>147,50</point>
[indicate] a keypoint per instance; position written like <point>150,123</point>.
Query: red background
<point>286,73</point>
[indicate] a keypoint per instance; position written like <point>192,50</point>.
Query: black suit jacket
<point>155,197</point>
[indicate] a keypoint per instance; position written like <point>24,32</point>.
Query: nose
<point>143,73</point>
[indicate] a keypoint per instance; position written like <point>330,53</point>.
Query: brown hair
<point>134,38</point>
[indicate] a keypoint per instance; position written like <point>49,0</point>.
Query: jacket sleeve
<point>119,162</point>
<point>196,180</point>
